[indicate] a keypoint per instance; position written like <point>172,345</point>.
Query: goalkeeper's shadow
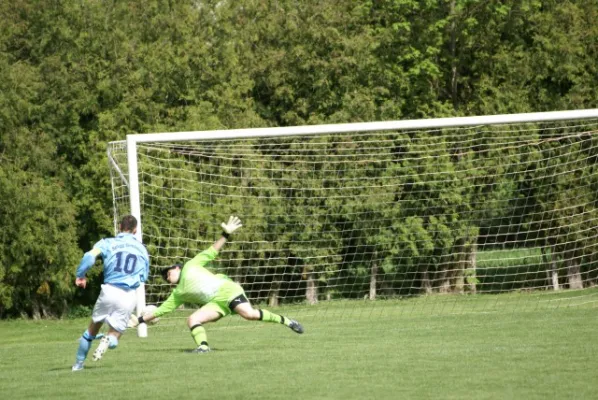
<point>192,351</point>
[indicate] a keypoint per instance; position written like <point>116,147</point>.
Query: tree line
<point>77,75</point>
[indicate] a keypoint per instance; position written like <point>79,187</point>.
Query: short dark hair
<point>128,223</point>
<point>165,270</point>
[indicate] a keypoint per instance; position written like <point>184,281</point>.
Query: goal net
<point>430,216</point>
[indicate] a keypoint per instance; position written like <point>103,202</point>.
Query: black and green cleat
<point>295,326</point>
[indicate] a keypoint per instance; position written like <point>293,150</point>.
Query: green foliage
<point>38,241</point>
<point>79,311</point>
<point>496,268</point>
<point>76,75</point>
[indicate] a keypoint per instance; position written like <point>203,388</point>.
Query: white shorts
<point>114,306</point>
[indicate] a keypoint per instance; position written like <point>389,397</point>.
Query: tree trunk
<point>445,278</point>
<point>426,284</point>
<point>273,296</point>
<point>311,292</point>
<point>460,280</point>
<point>46,310</point>
<point>460,265</point>
<point>552,273</point>
<point>373,280</point>
<point>445,283</point>
<point>472,266</point>
<point>35,311</point>
<point>574,274</point>
<point>555,277</point>
<point>65,308</point>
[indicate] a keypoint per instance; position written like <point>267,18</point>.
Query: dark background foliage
<point>75,75</point>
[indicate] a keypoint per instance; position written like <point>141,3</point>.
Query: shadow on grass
<point>173,350</point>
<point>86,368</point>
<point>192,351</point>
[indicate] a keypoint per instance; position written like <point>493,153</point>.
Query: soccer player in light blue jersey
<point>216,294</point>
<point>126,266</point>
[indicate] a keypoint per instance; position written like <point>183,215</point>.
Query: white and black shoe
<point>102,347</point>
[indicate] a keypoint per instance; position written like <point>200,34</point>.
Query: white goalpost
<point>447,215</point>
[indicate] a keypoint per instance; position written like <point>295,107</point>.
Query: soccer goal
<point>448,215</point>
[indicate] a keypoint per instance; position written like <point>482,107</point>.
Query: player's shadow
<point>87,368</point>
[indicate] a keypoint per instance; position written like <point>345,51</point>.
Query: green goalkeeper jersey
<point>197,285</point>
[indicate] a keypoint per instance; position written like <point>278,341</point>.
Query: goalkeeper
<point>217,295</point>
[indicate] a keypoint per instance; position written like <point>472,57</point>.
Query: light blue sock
<point>113,342</point>
<point>84,346</point>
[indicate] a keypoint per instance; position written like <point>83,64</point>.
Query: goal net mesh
<point>446,220</point>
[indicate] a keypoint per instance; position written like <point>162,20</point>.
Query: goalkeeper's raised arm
<point>217,295</point>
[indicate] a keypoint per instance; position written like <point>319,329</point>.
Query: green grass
<point>509,257</point>
<point>351,350</point>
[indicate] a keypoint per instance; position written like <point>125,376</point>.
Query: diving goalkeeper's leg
<point>198,332</point>
<point>245,310</point>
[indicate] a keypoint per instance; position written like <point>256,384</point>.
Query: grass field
<point>350,350</point>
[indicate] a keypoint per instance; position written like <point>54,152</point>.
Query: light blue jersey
<point>126,261</point>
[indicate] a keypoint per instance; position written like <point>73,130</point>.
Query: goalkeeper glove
<point>232,225</point>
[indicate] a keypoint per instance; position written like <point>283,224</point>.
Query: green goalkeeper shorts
<point>227,292</point>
